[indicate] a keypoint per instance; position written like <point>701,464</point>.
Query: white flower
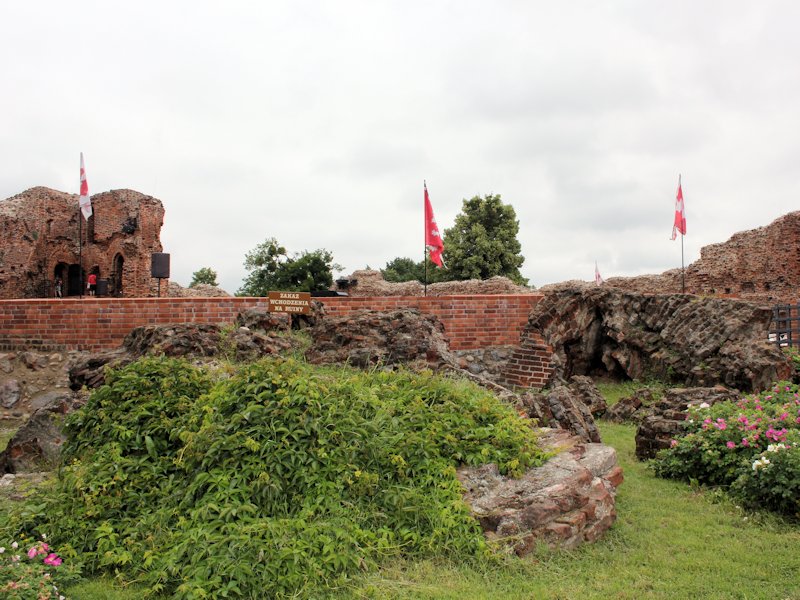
<point>759,463</point>
<point>44,536</point>
<point>2,549</point>
<point>14,545</point>
<point>705,405</point>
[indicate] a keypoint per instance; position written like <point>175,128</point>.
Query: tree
<point>205,275</point>
<point>271,268</point>
<point>483,241</point>
<point>403,269</point>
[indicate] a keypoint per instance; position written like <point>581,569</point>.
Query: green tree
<point>483,241</point>
<point>403,269</point>
<point>271,268</point>
<point>205,275</point>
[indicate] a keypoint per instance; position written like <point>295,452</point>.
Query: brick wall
<point>101,323</point>
<point>473,321</point>
<point>530,365</point>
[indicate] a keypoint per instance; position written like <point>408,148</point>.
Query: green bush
<point>724,442</point>
<point>772,480</point>
<point>275,482</point>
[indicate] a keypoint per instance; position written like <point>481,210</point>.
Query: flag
<point>597,279</point>
<point>85,202</point>
<point>433,241</point>
<point>680,213</point>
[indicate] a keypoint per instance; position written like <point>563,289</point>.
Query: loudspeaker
<point>159,267</point>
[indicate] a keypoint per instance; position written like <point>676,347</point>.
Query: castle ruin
<point>39,243</point>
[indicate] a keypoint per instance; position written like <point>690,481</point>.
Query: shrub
<point>773,479</point>
<point>794,357</point>
<point>31,570</point>
<point>724,441</point>
<point>277,481</point>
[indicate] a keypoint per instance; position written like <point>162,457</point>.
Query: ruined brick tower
<point>39,243</point>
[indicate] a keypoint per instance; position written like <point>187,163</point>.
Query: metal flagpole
<point>425,241</point>
<point>683,216</point>
<point>683,272</point>
<point>80,252</point>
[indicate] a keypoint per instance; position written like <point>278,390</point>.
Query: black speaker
<point>159,267</point>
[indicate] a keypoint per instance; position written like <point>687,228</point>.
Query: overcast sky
<point>316,122</point>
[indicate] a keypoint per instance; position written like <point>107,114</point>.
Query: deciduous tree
<point>271,268</point>
<point>205,275</point>
<point>483,241</point>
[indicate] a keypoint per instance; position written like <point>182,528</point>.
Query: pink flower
<point>32,552</point>
<point>743,419</point>
<point>673,443</point>
<point>776,435</point>
<point>745,442</point>
<point>53,559</point>
<point>721,424</point>
<point>783,417</point>
<point>731,445</point>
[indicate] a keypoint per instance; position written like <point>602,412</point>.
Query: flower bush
<point>30,571</point>
<point>752,445</point>
<point>773,480</point>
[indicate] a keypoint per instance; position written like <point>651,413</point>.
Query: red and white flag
<point>433,240</point>
<point>597,279</point>
<point>84,201</point>
<point>680,213</point>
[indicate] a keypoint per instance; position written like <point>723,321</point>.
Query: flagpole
<point>80,252</point>
<point>425,244</point>
<point>683,272</point>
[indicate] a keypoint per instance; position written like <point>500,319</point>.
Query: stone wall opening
<point>74,280</point>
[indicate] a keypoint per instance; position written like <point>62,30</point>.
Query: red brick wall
<point>469,321</point>
<point>101,323</point>
<point>530,366</point>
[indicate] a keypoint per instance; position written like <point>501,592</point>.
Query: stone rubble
<point>568,501</point>
<point>37,445</point>
<point>369,282</point>
<point>678,338</point>
<point>665,419</point>
<point>367,339</point>
<point>566,407</point>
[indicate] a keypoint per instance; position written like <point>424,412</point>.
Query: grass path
<point>668,542</point>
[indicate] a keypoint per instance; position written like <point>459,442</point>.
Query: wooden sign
<point>297,303</point>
